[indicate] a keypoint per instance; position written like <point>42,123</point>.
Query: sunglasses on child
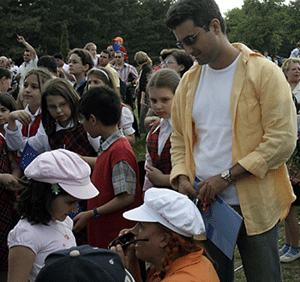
<point>188,40</point>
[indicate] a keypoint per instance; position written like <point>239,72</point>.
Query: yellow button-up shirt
<point>264,132</point>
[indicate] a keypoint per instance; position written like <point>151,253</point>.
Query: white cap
<point>171,209</point>
<point>66,169</point>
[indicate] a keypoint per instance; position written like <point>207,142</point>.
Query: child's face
<point>4,113</point>
<point>94,81</point>
<point>59,109</point>
<point>31,92</point>
<point>5,84</point>
<point>75,65</point>
<point>90,125</point>
<point>161,101</point>
<point>62,205</point>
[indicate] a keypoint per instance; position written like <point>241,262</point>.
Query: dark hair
<point>8,102</point>
<point>58,56</point>
<point>201,12</point>
<point>84,55</point>
<point>181,57</point>
<point>106,52</point>
<point>35,201</point>
<point>48,62</point>
<point>63,88</point>
<point>5,73</point>
<point>103,103</point>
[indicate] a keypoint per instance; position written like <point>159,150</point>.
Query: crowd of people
<point>210,110</point>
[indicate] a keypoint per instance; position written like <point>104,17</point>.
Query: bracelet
<point>96,214</point>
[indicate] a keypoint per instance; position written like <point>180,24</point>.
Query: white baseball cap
<point>171,209</point>
<point>66,169</point>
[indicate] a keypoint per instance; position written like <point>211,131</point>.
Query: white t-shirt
<point>126,121</point>
<point>25,68</point>
<point>42,239</point>
<point>212,116</point>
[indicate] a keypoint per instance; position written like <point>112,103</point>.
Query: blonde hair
<point>142,58</point>
<point>105,75</point>
<point>286,64</point>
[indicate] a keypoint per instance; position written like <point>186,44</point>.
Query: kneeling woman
<point>163,236</point>
<point>57,180</point>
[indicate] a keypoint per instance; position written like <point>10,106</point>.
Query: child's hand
<point>21,116</point>
<point>10,182</point>
<point>156,176</point>
<point>81,220</point>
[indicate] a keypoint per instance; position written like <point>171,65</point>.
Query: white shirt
<point>25,68</point>
<point>295,53</point>
<point>42,239</point>
<point>126,121</point>
<point>15,140</point>
<point>212,116</point>
<point>39,142</point>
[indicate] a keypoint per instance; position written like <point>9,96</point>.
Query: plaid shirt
<point>123,176</point>
<point>125,70</point>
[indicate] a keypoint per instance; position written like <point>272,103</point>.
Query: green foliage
<point>57,26</point>
<point>266,25</point>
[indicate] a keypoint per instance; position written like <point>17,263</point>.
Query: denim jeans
<point>259,254</point>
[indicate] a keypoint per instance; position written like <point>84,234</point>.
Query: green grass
<point>290,271</point>
<point>140,147</point>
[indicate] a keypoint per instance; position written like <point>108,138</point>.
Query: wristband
<point>96,214</point>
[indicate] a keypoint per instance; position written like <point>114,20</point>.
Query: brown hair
<point>63,88</point>
<point>164,78</point>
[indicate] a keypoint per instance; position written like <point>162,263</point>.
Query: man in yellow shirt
<point>234,127</point>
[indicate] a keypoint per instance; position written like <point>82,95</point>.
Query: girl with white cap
<point>57,180</point>
<point>163,237</point>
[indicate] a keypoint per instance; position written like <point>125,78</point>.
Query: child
<point>57,180</point>
<point>115,172</point>
<point>28,120</point>
<point>102,76</point>
<point>60,123</point>
<point>8,182</point>
<point>80,61</point>
<point>5,80</point>
<point>161,88</point>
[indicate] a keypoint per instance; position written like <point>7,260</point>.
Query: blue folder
<point>222,224</point>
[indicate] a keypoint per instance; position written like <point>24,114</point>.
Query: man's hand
<point>10,182</point>
<point>209,188</point>
<point>81,220</point>
<point>21,39</point>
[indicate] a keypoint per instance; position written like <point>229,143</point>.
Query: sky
<point>226,5</point>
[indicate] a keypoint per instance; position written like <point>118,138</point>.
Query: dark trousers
<point>259,254</point>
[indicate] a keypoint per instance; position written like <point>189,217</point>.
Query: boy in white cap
<point>166,224</point>
<point>57,180</point>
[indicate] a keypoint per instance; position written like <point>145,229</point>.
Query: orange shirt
<point>194,267</point>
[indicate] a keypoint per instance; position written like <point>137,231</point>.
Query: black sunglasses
<point>188,41</point>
